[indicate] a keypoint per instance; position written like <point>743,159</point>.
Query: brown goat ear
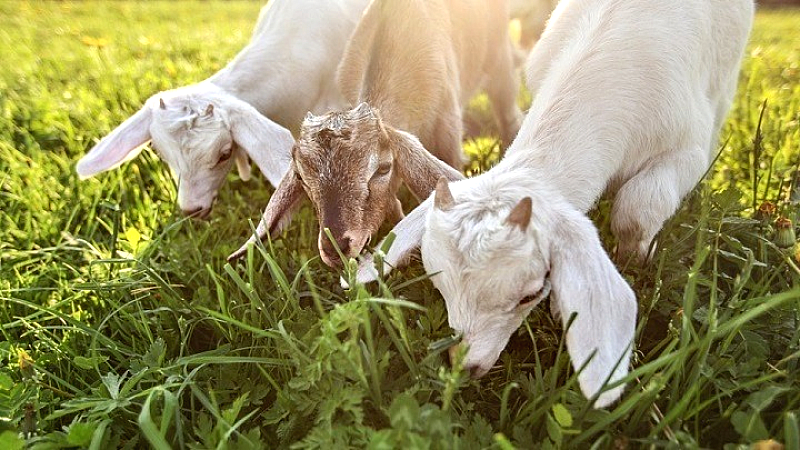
<point>279,211</point>
<point>419,169</point>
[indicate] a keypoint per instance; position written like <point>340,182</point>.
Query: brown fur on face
<point>346,164</point>
<point>351,166</point>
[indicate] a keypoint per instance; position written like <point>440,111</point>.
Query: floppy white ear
<point>586,282</point>
<point>122,144</point>
<point>284,202</point>
<point>268,144</point>
<point>419,169</point>
<point>408,236</point>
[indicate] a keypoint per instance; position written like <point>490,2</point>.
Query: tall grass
<point>123,327</point>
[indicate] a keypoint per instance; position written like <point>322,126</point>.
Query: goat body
<point>630,97</point>
<point>411,65</point>
<point>244,110</point>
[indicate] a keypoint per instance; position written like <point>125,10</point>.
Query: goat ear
<point>407,238</point>
<point>122,144</point>
<point>520,215</point>
<point>419,169</point>
<point>243,164</point>
<point>268,144</point>
<point>284,202</point>
<point>586,282</point>
<point>443,198</point>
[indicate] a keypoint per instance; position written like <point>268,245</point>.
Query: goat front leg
<point>649,198</point>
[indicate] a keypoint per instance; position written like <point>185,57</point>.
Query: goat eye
<point>226,154</point>
<point>383,169</point>
<point>530,300</point>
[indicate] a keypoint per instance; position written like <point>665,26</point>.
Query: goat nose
<point>191,211</point>
<point>332,260</point>
<point>330,256</point>
<point>475,371</point>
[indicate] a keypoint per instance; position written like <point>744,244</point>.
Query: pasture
<point>124,327</point>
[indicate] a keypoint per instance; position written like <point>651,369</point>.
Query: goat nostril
<point>344,245</point>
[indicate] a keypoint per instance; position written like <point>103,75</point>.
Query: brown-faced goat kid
<point>359,164</point>
<point>417,63</point>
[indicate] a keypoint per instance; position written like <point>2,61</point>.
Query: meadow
<point>124,327</point>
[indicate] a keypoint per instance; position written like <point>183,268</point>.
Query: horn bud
<point>362,109</point>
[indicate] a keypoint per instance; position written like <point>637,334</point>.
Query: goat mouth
<point>476,372</point>
<point>202,214</point>
<point>332,261</point>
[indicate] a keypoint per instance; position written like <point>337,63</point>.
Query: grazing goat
<point>286,70</point>
<point>630,98</point>
<point>416,62</point>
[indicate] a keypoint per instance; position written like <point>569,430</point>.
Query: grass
<point>123,327</point>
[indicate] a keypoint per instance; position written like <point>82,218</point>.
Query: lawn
<point>123,326</point>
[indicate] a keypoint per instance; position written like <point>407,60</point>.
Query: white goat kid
<point>287,69</point>
<point>630,96</point>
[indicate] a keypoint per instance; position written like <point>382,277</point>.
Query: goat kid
<point>286,70</point>
<point>350,165</point>
<point>417,62</point>
<point>630,98</point>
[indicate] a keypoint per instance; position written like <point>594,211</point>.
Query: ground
<point>123,326</point>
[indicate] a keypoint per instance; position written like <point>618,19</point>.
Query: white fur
<point>287,69</point>
<point>630,97</point>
